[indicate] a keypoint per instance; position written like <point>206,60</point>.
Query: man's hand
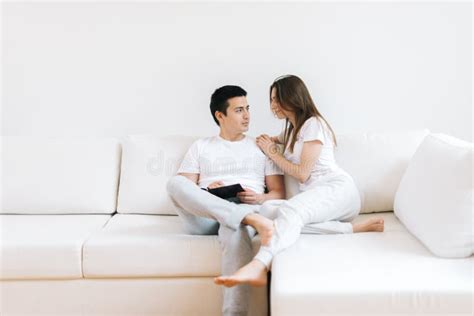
<point>216,184</point>
<point>250,197</point>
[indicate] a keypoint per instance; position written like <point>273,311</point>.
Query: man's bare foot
<point>263,225</point>
<point>253,273</point>
<point>370,225</point>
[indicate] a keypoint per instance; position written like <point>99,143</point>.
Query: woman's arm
<point>309,155</point>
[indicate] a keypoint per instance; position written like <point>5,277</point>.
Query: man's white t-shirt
<point>217,159</point>
<point>314,129</point>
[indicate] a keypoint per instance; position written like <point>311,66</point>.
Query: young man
<point>228,158</point>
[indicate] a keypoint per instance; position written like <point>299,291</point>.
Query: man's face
<point>238,116</point>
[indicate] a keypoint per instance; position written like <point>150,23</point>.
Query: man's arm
<point>194,177</point>
<point>276,188</point>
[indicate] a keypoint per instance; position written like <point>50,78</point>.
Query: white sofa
<point>87,229</point>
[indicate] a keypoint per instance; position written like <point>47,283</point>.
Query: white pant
<point>325,208</point>
<point>271,208</point>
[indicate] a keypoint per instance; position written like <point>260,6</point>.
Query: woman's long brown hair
<point>293,96</point>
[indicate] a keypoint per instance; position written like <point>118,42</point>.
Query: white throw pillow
<point>377,162</point>
<point>147,164</point>
<point>435,197</point>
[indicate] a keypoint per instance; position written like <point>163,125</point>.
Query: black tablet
<point>228,191</point>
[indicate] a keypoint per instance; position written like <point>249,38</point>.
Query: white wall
<point>131,68</point>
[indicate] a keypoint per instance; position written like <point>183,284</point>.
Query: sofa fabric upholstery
<point>62,175</point>
<point>45,246</point>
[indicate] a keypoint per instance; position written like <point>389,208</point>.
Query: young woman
<point>329,197</point>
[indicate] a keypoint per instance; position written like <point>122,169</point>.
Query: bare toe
<point>230,282</point>
<point>219,280</point>
<point>254,273</point>
<point>370,225</point>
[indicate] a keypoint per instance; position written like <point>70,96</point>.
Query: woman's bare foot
<point>370,225</point>
<point>263,225</point>
<point>253,273</point>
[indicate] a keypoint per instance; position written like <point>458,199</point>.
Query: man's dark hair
<point>220,97</point>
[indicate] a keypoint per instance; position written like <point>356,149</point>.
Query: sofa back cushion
<point>435,197</point>
<point>377,162</point>
<point>59,175</point>
<point>147,164</point>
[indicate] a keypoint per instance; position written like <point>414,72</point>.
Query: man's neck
<point>232,137</point>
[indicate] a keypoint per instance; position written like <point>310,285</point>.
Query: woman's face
<point>275,106</point>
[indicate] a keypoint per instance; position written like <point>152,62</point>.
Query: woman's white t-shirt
<point>314,129</point>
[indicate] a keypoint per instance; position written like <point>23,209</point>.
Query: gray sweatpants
<point>205,214</point>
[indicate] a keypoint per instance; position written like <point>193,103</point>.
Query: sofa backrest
<point>147,164</point>
<point>59,175</point>
<point>376,161</point>
<point>80,175</point>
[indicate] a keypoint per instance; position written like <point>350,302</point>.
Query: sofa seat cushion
<point>45,246</point>
<point>142,245</point>
<point>369,274</point>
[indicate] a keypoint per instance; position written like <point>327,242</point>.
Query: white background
<point>114,69</point>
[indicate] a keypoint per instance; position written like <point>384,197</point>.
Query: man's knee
<point>174,183</point>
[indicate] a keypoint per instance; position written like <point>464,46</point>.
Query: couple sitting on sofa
<point>328,201</point>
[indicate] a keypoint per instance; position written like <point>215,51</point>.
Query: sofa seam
<point>119,171</point>
<point>86,240</point>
